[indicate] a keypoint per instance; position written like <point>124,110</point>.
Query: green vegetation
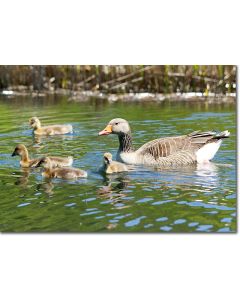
<point>120,78</point>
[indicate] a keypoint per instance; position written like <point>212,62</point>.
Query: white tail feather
<point>208,151</point>
<point>224,133</point>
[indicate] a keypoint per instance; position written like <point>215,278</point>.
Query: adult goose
<point>35,123</point>
<point>64,173</point>
<point>26,162</point>
<point>195,147</point>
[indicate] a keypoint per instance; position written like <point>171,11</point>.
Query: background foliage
<point>120,78</point>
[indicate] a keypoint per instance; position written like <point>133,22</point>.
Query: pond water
<point>195,199</point>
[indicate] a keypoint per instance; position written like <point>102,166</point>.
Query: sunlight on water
<point>195,199</point>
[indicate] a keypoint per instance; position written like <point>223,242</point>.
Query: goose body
<point>196,147</point>
<point>63,173</point>
<point>48,130</point>
<point>110,166</point>
<point>26,162</point>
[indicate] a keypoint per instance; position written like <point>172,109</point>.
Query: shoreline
<point>84,96</point>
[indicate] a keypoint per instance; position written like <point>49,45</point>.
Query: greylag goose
<point>195,147</point>
<point>48,130</point>
<point>26,162</point>
<point>64,173</point>
<point>110,166</point>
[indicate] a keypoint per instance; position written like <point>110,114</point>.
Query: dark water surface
<point>196,199</point>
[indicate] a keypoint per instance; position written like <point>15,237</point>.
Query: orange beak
<point>106,131</point>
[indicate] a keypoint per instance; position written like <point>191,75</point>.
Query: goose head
<point>116,126</point>
<point>34,122</point>
<point>107,158</point>
<point>19,150</point>
<point>44,162</point>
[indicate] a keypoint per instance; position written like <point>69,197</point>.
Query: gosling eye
<point>116,123</point>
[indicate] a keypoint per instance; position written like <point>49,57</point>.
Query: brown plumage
<point>48,130</point>
<point>192,142</point>
<point>110,166</point>
<point>26,162</point>
<point>64,173</point>
<point>169,151</point>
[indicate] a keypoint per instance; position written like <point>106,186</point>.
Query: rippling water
<point>195,199</point>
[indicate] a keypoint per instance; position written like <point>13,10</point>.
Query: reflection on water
<point>39,141</point>
<point>22,178</point>
<point>199,198</point>
<point>47,187</point>
<point>113,188</point>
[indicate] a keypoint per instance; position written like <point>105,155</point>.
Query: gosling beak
<point>14,153</point>
<point>106,131</point>
<point>106,160</point>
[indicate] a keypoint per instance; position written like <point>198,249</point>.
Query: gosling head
<point>44,162</point>
<point>116,126</point>
<point>107,158</point>
<point>34,122</point>
<point>19,150</point>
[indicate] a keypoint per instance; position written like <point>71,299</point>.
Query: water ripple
<point>199,198</point>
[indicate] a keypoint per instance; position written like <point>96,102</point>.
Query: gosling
<point>48,130</point>
<point>26,162</point>
<point>63,173</point>
<point>110,166</point>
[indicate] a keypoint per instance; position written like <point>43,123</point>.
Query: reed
<point>120,78</point>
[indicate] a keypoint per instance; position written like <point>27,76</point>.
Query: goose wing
<point>164,147</point>
<point>170,146</point>
<point>34,162</point>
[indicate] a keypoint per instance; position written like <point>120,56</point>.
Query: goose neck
<point>125,142</point>
<point>25,156</point>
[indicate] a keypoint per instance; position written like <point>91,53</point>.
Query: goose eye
<point>116,123</point>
